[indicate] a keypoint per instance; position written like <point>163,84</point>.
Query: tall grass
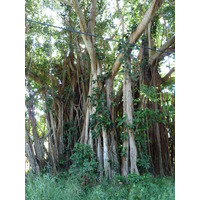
<point>47,187</point>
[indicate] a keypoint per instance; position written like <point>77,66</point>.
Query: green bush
<point>84,164</point>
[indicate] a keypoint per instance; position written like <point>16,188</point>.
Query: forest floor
<point>62,186</point>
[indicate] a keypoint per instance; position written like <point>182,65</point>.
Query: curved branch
<point>167,53</point>
<point>35,77</point>
<point>163,48</point>
<point>166,77</point>
<point>155,5</point>
<point>77,8</point>
<point>88,42</point>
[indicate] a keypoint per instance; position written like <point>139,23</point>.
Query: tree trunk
<point>106,153</point>
<point>100,157</point>
<point>30,154</point>
<point>129,143</point>
<point>37,145</point>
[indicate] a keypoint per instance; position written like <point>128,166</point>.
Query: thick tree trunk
<point>129,143</point>
<point>112,132</point>
<point>106,153</point>
<point>158,148</point>
<point>133,153</point>
<point>125,158</point>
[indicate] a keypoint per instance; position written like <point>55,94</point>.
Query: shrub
<point>84,164</point>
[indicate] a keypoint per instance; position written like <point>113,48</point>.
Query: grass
<point>47,187</point>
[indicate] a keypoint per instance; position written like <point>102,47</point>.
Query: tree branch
<point>167,52</point>
<point>78,10</point>
<point>122,18</point>
<point>92,17</point>
<point>166,77</point>
<point>163,48</point>
<point>83,27</point>
<point>155,5</point>
<point>35,77</point>
<point>115,32</point>
<point>66,2</point>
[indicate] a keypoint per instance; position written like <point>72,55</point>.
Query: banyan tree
<point>101,73</point>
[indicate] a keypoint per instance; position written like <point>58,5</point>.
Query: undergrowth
<point>65,186</point>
